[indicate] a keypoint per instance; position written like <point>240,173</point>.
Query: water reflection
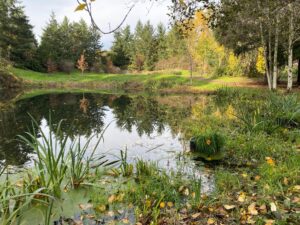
<point>137,122</point>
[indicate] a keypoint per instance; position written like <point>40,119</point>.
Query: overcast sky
<point>105,12</point>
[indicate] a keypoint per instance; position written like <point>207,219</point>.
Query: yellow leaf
<point>85,207</point>
<point>263,209</point>
<point>196,215</point>
<point>296,188</point>
<point>252,209</point>
<point>273,207</point>
<point>125,220</point>
<point>244,175</point>
<point>211,221</point>
<point>242,197</point>
<point>111,213</point>
<point>148,203</point>
<point>269,222</point>
<point>270,161</point>
<point>101,208</point>
<point>111,199</point>
<point>186,192</point>
<point>285,181</point>
<point>257,178</point>
<point>229,207</point>
<point>80,7</point>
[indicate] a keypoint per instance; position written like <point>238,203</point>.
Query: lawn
<point>171,80</point>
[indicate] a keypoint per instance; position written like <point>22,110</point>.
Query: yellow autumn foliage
<point>260,62</point>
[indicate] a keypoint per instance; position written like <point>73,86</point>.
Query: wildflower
<point>208,142</point>
<point>162,205</point>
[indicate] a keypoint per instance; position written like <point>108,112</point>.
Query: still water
<point>146,126</point>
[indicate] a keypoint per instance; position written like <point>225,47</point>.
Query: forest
<point>192,119</point>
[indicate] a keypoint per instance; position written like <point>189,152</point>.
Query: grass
<point>167,80</point>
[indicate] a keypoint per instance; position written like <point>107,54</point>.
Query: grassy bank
<point>166,81</point>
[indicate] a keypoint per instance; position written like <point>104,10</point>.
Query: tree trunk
<point>265,46</point>
<point>191,69</point>
<point>290,49</point>
<point>275,64</point>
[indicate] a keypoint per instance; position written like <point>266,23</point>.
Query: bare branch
<point>89,10</point>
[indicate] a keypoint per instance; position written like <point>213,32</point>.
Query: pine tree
<point>17,41</point>
<point>121,49</point>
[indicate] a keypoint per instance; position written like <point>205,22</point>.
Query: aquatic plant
<point>209,146</point>
<point>14,200</point>
<point>51,162</point>
<point>61,160</point>
<point>125,167</point>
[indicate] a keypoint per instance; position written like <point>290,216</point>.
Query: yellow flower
<point>170,204</point>
<point>162,205</point>
<point>208,142</point>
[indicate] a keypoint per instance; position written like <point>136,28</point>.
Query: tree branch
<point>89,10</point>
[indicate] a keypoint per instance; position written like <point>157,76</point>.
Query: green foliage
<point>210,146</point>
<point>81,38</point>
<point>17,41</point>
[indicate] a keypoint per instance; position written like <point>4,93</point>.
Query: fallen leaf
<point>196,215</point>
<point>125,220</point>
<point>111,213</point>
<point>242,197</point>
<point>263,209</point>
<point>101,208</point>
<point>252,209</point>
<point>269,222</point>
<point>286,181</point>
<point>273,207</point>
<point>244,175</point>
<point>186,192</point>
<point>229,207</point>
<point>111,199</point>
<point>296,200</point>
<point>85,206</point>
<point>257,178</point>
<point>211,221</point>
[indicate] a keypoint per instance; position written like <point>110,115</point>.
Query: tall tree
<point>122,47</point>
<point>17,41</point>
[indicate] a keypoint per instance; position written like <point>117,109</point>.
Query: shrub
<point>66,66</point>
<point>209,146</point>
<point>51,66</point>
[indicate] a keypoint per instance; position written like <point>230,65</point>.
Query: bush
<point>209,146</point>
<point>66,66</point>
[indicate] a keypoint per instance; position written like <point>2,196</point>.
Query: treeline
<point>147,47</point>
<point>17,41</point>
<point>61,44</point>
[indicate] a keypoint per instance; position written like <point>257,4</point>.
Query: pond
<point>146,126</point>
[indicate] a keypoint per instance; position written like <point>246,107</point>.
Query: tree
<point>161,41</point>
<point>122,47</point>
<point>81,38</point>
<point>82,64</point>
<point>17,41</point>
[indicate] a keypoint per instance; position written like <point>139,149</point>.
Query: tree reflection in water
<point>83,115</point>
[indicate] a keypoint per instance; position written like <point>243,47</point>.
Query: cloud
<point>107,13</point>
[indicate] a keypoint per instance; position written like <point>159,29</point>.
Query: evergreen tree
<point>17,40</point>
<point>161,42</point>
<point>121,49</point>
<point>62,44</point>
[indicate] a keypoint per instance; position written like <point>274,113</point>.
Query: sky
<point>106,13</point>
